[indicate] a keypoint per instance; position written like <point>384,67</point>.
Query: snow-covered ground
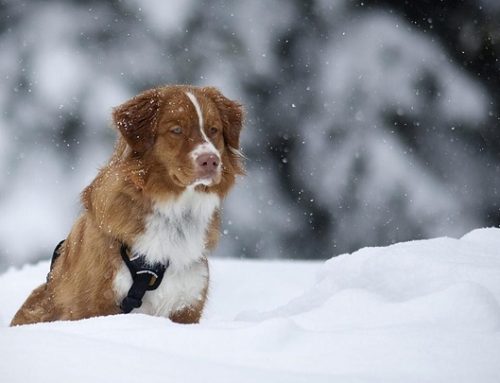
<point>423,311</point>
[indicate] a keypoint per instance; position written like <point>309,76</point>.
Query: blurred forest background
<point>368,122</point>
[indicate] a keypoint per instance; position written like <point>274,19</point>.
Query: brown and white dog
<point>175,160</point>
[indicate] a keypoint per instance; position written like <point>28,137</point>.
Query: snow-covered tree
<point>364,125</point>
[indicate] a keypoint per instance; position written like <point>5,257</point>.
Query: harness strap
<point>135,294</point>
<point>55,255</point>
<point>144,276</point>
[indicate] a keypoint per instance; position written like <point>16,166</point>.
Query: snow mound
<point>422,311</point>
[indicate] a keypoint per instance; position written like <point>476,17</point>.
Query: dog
<point>158,201</point>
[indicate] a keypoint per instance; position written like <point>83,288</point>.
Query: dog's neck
<point>176,228</point>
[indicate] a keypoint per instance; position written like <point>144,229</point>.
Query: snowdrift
<point>422,311</point>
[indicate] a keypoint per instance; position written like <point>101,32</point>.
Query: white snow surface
<point>422,311</point>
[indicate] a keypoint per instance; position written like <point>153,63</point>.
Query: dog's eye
<point>176,130</point>
<point>213,130</point>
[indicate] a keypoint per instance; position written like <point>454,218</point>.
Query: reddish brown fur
<point>149,164</point>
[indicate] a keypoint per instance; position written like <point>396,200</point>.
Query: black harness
<point>145,276</point>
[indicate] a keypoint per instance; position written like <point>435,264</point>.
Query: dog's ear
<point>136,119</point>
<point>231,113</point>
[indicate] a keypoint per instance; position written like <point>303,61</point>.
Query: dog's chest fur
<point>174,232</point>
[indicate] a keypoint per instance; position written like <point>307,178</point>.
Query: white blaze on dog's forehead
<point>207,146</point>
<point>196,105</point>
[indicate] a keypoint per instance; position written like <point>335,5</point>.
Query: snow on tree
<point>364,124</point>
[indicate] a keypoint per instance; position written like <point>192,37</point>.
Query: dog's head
<point>190,135</point>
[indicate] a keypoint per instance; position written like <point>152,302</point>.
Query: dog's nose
<point>207,163</point>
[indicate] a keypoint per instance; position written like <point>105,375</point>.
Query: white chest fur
<point>176,229</point>
<point>175,232</point>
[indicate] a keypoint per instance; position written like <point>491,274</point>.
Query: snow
<point>421,311</point>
